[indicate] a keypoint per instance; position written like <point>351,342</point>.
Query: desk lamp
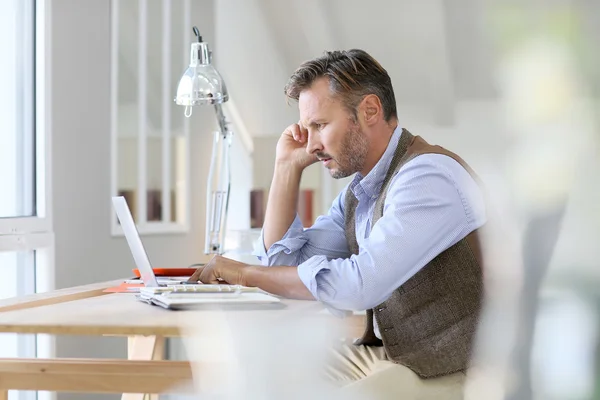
<point>202,85</point>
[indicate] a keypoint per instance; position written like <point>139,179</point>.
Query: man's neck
<point>378,146</point>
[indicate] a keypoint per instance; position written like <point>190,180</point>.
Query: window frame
<point>37,229</point>
<point>35,233</point>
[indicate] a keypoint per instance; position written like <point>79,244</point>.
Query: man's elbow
<point>279,259</point>
<point>358,302</point>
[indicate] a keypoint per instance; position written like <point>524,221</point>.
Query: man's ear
<point>371,109</point>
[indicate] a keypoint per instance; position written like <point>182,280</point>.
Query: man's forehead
<point>314,102</point>
<point>315,97</point>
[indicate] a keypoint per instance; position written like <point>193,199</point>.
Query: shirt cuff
<point>308,272</point>
<point>293,240</point>
<point>259,247</point>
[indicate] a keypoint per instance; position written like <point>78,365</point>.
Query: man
<point>400,241</point>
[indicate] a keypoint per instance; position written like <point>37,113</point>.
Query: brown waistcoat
<point>428,323</point>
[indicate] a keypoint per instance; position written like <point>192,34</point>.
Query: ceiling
<point>439,54</point>
<point>436,55</point>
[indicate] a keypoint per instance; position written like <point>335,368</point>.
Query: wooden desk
<point>86,310</point>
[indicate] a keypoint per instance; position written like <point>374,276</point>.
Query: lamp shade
<point>201,84</point>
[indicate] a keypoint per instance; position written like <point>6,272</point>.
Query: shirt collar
<point>371,184</point>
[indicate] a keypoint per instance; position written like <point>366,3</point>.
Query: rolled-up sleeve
<point>308,271</point>
<point>326,238</point>
<point>285,251</point>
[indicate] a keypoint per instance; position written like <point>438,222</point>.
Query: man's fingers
<point>196,275</point>
<point>208,277</point>
<point>296,132</point>
<point>303,133</point>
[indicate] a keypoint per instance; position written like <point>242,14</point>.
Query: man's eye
<point>320,126</point>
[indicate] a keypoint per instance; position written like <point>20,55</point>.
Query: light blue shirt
<point>431,204</point>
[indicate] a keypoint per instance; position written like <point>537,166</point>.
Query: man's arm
<point>284,241</point>
<point>281,206</point>
<point>326,237</point>
<point>281,281</point>
<point>291,159</point>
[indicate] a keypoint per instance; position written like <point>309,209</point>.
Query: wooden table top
<point>86,310</point>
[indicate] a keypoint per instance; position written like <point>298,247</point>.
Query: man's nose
<point>314,142</point>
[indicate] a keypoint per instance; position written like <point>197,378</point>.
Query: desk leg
<point>142,348</point>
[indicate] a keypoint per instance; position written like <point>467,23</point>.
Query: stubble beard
<point>353,153</point>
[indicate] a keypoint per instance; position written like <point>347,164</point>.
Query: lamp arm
<point>223,124</point>
<point>218,186</point>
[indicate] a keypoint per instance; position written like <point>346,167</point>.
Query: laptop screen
<point>133,240</point>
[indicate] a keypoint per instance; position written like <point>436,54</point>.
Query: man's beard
<point>352,154</point>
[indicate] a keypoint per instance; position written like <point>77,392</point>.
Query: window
<point>17,267</point>
<point>26,239</point>
<point>17,110</point>
<point>150,134</point>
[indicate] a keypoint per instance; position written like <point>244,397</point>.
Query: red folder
<point>169,271</point>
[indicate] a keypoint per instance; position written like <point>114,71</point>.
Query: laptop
<point>136,247</point>
<point>160,293</point>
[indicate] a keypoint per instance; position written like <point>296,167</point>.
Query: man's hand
<point>281,281</point>
<point>291,148</point>
<point>221,270</point>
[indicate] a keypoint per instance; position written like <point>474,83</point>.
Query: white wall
<point>85,250</point>
<point>256,82</point>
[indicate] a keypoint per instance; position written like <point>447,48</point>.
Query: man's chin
<point>337,174</point>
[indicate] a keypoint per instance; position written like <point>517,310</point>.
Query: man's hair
<point>352,74</point>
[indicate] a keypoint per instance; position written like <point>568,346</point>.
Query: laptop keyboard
<point>193,290</point>
<point>204,288</point>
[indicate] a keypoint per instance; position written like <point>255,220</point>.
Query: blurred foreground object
<point>528,346</point>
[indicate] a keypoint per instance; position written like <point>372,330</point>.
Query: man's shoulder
<point>427,163</point>
<point>439,175</point>
<point>429,166</point>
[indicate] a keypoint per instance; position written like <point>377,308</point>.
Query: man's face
<point>334,135</point>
